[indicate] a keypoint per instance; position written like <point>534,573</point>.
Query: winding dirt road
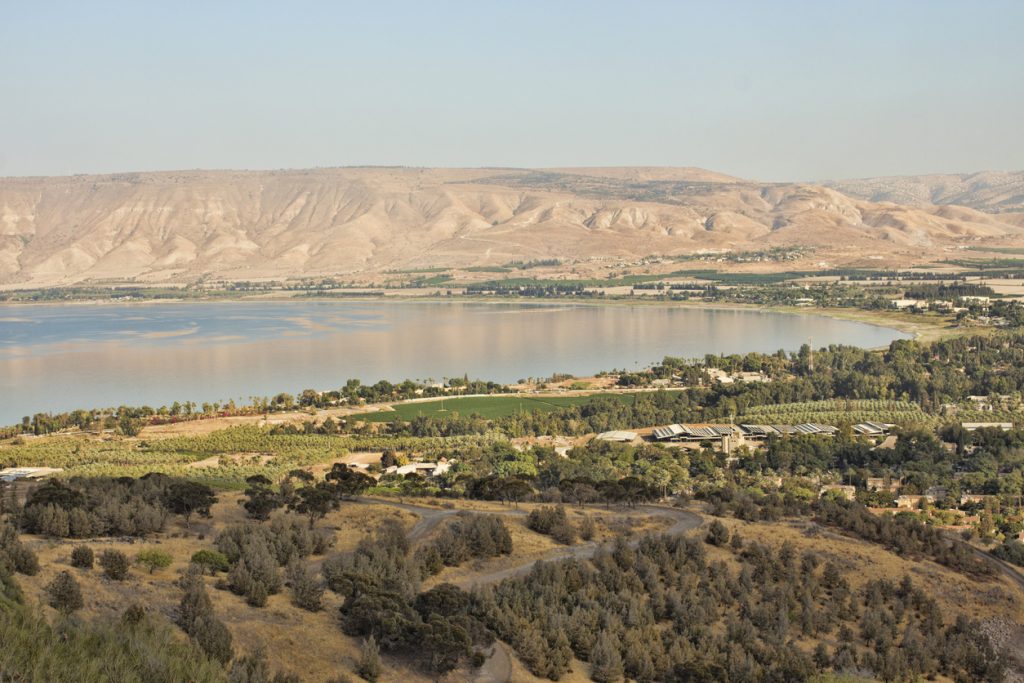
<point>498,666</point>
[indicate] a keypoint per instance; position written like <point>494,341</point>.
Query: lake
<point>60,357</point>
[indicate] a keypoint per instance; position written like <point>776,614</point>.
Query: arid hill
<point>180,226</point>
<point>991,191</point>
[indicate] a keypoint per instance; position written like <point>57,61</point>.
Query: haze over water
<point>60,357</point>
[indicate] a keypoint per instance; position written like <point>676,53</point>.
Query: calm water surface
<point>55,358</point>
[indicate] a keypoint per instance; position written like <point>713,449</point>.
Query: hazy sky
<point>769,90</point>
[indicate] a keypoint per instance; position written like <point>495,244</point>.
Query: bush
<point>98,649</point>
<point>213,637</point>
<point>471,536</point>
<point>564,534</point>
<point>115,564</point>
<point>64,594</point>
<point>211,561</point>
<point>257,594</point>
<point>255,572</point>
<point>718,534</point>
<point>133,615</point>
<point>369,666</point>
<point>196,618</point>
<point>544,519</point>
<point>552,521</point>
<point>154,559</point>
<point>307,592</point>
<point>82,557</point>
<point>15,555</point>
<point>587,529</point>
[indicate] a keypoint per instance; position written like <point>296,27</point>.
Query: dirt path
<point>498,666</point>
<point>685,521</point>
<point>1004,568</point>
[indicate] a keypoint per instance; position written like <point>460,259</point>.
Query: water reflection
<point>61,357</point>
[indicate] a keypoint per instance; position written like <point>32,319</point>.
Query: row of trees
<point>314,499</point>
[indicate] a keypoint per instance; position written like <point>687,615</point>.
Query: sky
<point>780,90</point>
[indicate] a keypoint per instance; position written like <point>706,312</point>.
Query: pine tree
<point>213,637</point>
<point>605,660</point>
<point>559,656</point>
<point>369,665</point>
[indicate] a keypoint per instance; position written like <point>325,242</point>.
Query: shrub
<point>718,534</point>
<point>552,521</point>
<point>64,594</point>
<point>564,533</point>
<point>115,564</point>
<point>211,561</point>
<point>196,618</point>
<point>472,536</point>
<point>369,666</point>
<point>154,559</point>
<point>307,592</point>
<point>213,637</point>
<point>544,519</point>
<point>82,557</point>
<point>133,615</point>
<point>587,529</point>
<point>257,594</point>
<point>255,573</point>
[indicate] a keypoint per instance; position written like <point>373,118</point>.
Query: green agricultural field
<point>837,411</point>
<point>489,407</point>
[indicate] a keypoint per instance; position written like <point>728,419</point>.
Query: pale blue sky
<point>778,90</point>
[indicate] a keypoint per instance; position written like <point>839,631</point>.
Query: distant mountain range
<point>991,191</point>
<point>244,225</point>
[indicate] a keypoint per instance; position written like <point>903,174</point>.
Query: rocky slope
<point>180,226</point>
<point>992,191</point>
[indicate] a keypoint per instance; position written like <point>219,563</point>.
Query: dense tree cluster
<point>664,611</point>
<point>903,533</point>
<point>552,521</point>
<point>255,554</point>
<point>1011,551</point>
<point>85,507</point>
<point>470,536</point>
<point>379,583</point>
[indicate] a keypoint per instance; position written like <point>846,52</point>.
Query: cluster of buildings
<point>745,432</point>
<point>739,434</point>
<point>729,436</point>
<point>905,501</point>
<point>424,469</point>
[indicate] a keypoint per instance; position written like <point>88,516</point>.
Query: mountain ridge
<point>179,226</point>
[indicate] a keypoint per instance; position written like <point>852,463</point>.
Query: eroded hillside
<point>180,226</point>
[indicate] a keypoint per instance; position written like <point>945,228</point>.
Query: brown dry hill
<point>991,191</point>
<point>182,226</point>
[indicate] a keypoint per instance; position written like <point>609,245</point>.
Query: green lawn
<point>489,407</point>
